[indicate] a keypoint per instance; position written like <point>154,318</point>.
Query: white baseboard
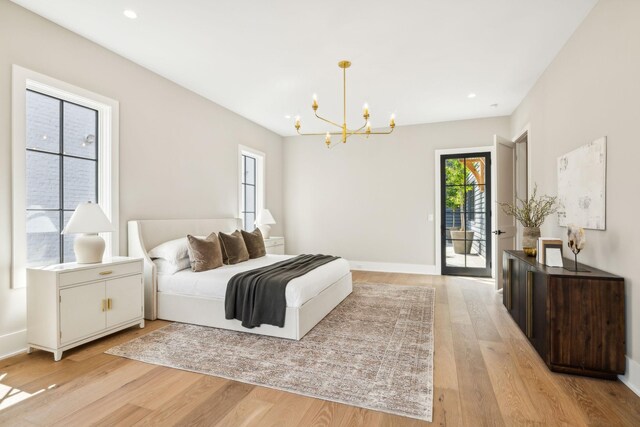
<point>632,376</point>
<point>391,267</point>
<point>13,343</point>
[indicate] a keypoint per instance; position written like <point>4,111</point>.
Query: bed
<point>198,298</point>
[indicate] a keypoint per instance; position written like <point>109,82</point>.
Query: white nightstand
<point>71,304</point>
<point>274,245</point>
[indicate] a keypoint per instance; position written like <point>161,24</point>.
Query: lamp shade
<point>88,218</point>
<point>265,218</point>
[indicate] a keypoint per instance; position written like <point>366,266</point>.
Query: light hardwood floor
<point>485,373</point>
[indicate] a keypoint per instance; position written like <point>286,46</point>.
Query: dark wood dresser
<point>575,321</point>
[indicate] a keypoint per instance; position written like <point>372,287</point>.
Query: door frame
<point>526,130</point>
<point>438,205</point>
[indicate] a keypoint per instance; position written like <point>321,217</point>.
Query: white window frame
<point>261,160</point>
<point>108,171</point>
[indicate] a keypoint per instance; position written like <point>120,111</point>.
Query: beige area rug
<point>375,351</point>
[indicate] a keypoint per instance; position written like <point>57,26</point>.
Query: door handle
<point>499,232</point>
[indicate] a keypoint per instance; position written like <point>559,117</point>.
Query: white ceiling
<point>418,59</point>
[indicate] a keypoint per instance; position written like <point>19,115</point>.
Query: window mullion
<point>61,180</point>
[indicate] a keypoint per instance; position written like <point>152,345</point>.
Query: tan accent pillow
<point>234,249</point>
<point>204,254</point>
<point>254,243</point>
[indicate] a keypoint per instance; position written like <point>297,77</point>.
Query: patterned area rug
<point>375,351</point>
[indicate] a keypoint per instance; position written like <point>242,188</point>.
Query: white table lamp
<point>88,220</point>
<point>264,221</point>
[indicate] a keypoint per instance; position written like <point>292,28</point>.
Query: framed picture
<point>553,255</point>
<point>582,176</point>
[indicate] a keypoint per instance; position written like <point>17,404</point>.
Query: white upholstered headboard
<point>144,235</point>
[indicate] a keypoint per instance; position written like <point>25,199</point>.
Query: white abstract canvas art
<point>582,176</point>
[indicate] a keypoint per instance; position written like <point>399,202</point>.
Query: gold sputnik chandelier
<point>345,132</point>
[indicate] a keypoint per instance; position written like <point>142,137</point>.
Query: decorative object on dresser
<point>264,221</point>
<point>531,213</point>
<point>576,241</point>
<point>274,245</point>
<point>71,304</point>
<point>582,185</point>
<point>574,320</point>
<point>88,220</point>
<point>547,242</point>
<point>385,364</point>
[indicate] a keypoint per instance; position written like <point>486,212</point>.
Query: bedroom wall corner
<point>369,200</point>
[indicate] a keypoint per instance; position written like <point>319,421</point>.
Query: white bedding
<point>213,283</point>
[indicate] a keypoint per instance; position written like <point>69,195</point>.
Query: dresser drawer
<point>273,242</point>
<point>99,273</point>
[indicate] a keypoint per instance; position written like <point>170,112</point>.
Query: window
<point>251,186</point>
<point>64,151</point>
<point>61,171</point>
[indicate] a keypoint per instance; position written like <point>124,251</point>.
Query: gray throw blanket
<point>258,296</point>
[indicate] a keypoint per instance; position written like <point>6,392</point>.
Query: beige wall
<point>592,89</point>
<point>178,151</point>
<point>369,200</point>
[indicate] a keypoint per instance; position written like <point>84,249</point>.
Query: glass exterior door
<point>465,193</point>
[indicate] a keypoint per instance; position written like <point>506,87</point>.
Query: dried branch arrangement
<point>531,212</point>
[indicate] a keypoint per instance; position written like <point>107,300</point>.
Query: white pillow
<point>168,267</point>
<point>173,250</point>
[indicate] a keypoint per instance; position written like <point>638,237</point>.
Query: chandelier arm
<point>321,133</point>
<point>357,130</point>
<point>372,133</point>
<point>328,121</point>
<point>382,133</point>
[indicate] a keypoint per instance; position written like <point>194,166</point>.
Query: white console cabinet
<point>274,245</point>
<point>71,304</point>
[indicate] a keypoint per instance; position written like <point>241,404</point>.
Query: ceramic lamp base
<point>89,248</point>
<point>265,230</point>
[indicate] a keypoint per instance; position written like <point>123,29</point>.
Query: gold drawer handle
<point>103,305</point>
<point>109,304</point>
<point>529,301</point>
<point>509,284</point>
<point>106,273</point>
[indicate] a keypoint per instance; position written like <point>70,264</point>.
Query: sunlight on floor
<point>10,395</point>
<point>484,280</point>
<point>460,260</point>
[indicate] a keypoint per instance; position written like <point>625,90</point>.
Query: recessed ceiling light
<point>471,95</point>
<point>287,116</point>
<point>130,14</point>
<point>494,105</point>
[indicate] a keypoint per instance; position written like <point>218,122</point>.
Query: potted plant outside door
<point>456,194</point>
